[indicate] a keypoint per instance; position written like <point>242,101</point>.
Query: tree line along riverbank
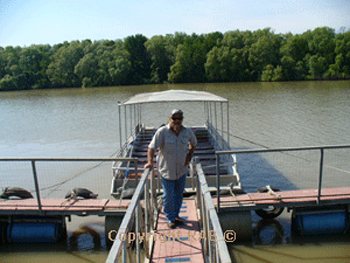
<point>234,56</point>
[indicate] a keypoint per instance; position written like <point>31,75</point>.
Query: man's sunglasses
<point>179,119</point>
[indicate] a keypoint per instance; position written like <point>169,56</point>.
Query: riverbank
<point>234,56</point>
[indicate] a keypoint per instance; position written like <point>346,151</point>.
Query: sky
<point>27,22</point>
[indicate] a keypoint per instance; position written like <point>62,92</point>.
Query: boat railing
<point>319,163</point>
<point>138,223</point>
<point>126,150</point>
<point>220,143</point>
<point>214,244</point>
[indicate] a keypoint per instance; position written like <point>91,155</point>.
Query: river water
<point>84,123</point>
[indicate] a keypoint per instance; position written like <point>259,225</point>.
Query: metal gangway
<point>140,232</point>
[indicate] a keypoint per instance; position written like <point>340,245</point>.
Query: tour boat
<point>213,134</point>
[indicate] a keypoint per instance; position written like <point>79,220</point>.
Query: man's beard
<point>177,127</point>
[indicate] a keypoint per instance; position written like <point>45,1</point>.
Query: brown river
<point>84,123</point>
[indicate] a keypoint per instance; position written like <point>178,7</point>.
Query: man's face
<point>176,121</point>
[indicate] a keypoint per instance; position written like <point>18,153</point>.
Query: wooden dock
<point>63,207</point>
<point>250,201</point>
<point>181,244</point>
<point>295,198</point>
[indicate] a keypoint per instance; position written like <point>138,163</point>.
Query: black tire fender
<point>16,191</point>
<point>81,192</point>
<point>271,212</point>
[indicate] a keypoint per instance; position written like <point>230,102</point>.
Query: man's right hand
<point>150,155</point>
<point>148,165</point>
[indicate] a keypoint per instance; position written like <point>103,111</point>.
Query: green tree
<point>61,69</point>
<point>318,66</point>
<point>321,43</point>
<point>268,73</point>
<point>162,57</point>
<point>295,47</point>
<point>139,58</point>
<point>11,60</point>
<point>216,57</point>
<point>264,51</point>
<point>341,67</point>
<point>218,64</point>
<point>293,52</point>
<point>212,40</point>
<point>3,63</point>
<point>104,52</point>
<point>33,63</point>
<point>120,67</point>
<point>87,68</point>
<point>8,83</point>
<point>189,62</point>
<point>235,39</point>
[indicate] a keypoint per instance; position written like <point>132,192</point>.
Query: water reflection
<point>84,238</point>
<point>268,232</point>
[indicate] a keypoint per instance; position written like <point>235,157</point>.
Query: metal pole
<point>124,255</point>
<point>206,112</point>
<point>136,171</point>
<point>218,181</point>
<point>210,252</point>
<point>222,124</point>
<point>125,123</point>
<point>37,190</point>
<point>216,123</point>
<point>131,118</point>
<point>228,125</point>
<point>120,126</point>
<point>154,203</point>
<point>199,192</point>
<point>210,114</point>
<point>134,119</point>
<point>320,177</point>
<point>205,220</point>
<point>137,228</point>
<point>147,204</point>
<point>140,114</point>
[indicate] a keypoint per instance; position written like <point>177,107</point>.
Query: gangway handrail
<point>134,214</point>
<point>282,149</point>
<point>219,252</point>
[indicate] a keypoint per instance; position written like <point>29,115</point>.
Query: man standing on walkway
<point>176,145</point>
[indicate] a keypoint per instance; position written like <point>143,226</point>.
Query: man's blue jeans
<point>172,196</point>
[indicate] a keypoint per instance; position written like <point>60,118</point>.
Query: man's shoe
<point>171,224</point>
<point>179,221</point>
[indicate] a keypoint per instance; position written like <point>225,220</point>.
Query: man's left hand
<point>188,159</point>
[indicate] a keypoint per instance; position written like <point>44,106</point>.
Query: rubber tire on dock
<point>81,192</point>
<point>272,212</point>
<point>16,192</point>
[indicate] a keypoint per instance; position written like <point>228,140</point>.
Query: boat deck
<point>182,244</point>
<point>205,150</point>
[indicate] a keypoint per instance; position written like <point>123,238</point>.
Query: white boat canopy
<point>173,95</point>
<point>131,113</point>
